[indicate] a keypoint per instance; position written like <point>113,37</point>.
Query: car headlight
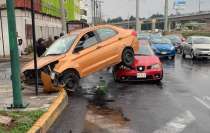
<point>172,48</point>
<point>156,66</point>
<point>52,75</point>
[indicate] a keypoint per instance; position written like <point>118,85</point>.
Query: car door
<point>85,53</point>
<point>109,46</point>
<point>188,46</point>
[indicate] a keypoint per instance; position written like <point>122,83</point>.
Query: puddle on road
<point>105,120</point>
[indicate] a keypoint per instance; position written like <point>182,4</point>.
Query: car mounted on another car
<point>197,47</point>
<point>163,47</point>
<point>146,67</point>
<point>83,52</point>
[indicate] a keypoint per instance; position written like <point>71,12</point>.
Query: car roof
<point>94,28</point>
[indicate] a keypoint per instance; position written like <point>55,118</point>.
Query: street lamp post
<point>137,16</point>
<point>15,64</point>
<point>34,45</point>
<point>166,17</point>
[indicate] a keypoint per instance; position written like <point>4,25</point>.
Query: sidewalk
<point>24,58</point>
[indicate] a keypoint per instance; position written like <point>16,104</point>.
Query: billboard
<point>179,4</point>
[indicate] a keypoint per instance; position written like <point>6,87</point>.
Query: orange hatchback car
<point>83,52</point>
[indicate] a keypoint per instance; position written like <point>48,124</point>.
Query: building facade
<point>47,19</point>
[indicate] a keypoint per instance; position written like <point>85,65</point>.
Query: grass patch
<point>22,120</point>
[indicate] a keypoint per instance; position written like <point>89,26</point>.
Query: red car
<point>146,67</point>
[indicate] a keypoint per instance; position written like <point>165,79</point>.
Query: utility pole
<point>166,17</point>
<point>92,11</point>
<point>63,16</point>
<point>199,6</point>
<point>137,16</point>
<point>34,46</point>
<point>15,64</point>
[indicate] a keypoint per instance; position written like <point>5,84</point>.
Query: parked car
<point>177,41</point>
<point>143,36</point>
<point>163,47</point>
<point>146,67</point>
<point>197,47</point>
<point>83,52</point>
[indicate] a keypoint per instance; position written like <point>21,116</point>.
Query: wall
<point>45,26</point>
<point>52,7</point>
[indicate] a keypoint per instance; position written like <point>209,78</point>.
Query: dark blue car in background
<point>163,47</point>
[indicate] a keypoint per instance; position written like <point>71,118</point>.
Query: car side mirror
<point>78,49</point>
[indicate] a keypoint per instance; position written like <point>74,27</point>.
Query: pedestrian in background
<point>49,42</point>
<point>19,43</point>
<point>41,48</point>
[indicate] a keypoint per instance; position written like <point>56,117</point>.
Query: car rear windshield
<point>174,39</point>
<point>61,46</point>
<point>201,40</point>
<point>145,50</point>
<point>160,41</point>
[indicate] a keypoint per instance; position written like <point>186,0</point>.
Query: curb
<point>21,59</point>
<point>48,118</point>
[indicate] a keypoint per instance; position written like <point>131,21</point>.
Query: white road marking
<point>178,124</point>
<point>202,102</point>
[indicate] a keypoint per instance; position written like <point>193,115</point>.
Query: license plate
<point>141,75</point>
<point>163,52</point>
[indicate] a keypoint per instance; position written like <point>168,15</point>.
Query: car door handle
<point>120,38</point>
<point>99,46</point>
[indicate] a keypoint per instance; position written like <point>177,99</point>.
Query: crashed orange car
<point>83,52</point>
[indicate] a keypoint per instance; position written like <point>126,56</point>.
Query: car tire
<point>127,57</point>
<point>192,55</point>
<point>183,54</point>
<point>171,57</point>
<point>115,68</point>
<point>70,80</point>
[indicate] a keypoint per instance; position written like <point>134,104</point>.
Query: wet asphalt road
<point>151,107</point>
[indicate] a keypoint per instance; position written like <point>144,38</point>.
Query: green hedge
<point>197,33</point>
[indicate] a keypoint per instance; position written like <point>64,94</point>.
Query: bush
<point>195,33</point>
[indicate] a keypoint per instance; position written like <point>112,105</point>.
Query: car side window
<point>88,40</point>
<point>106,33</point>
<point>189,40</point>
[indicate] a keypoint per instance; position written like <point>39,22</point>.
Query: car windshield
<point>145,50</point>
<point>160,41</point>
<point>61,46</point>
<point>174,39</point>
<point>201,40</point>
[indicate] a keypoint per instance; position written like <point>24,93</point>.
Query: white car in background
<point>197,47</point>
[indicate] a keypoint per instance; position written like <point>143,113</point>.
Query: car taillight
<point>134,33</point>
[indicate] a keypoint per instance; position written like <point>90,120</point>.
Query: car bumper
<point>202,54</point>
<point>166,54</point>
<point>131,75</point>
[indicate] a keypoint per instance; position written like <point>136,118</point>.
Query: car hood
<point>162,46</point>
<point>146,60</point>
<point>41,62</point>
<point>201,46</point>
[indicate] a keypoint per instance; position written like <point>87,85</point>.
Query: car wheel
<point>127,57</point>
<point>183,54</point>
<point>171,57</point>
<point>71,81</point>
<point>193,55</point>
<point>115,68</point>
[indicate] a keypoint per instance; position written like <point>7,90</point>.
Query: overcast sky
<point>125,8</point>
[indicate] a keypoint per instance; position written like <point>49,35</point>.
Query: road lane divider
<point>202,102</point>
<point>178,124</point>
